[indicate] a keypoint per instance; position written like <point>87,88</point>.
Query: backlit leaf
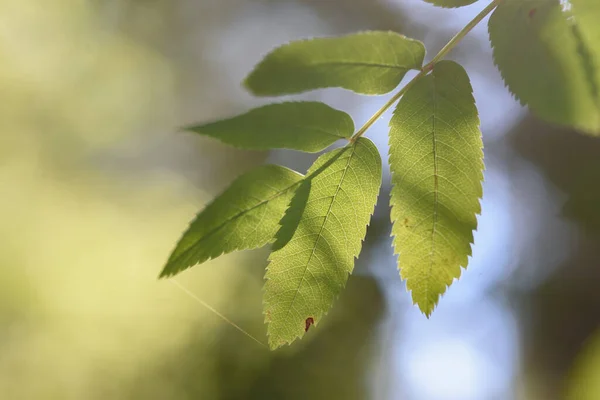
<point>367,62</point>
<point>587,18</point>
<point>244,216</point>
<point>306,126</point>
<point>320,237</point>
<point>436,160</point>
<point>537,52</point>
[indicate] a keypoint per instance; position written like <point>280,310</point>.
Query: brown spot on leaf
<point>532,12</point>
<point>406,222</point>
<point>309,321</point>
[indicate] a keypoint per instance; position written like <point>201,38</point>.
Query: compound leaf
<point>436,160</point>
<point>451,3</point>
<point>244,216</point>
<point>537,51</point>
<point>367,62</point>
<point>306,126</point>
<point>320,236</point>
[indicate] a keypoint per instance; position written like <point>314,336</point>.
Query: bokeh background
<point>98,183</point>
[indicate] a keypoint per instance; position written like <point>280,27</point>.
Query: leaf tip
<point>427,309</point>
<point>246,83</point>
<point>277,342</point>
<point>274,345</point>
<point>255,81</point>
<point>168,271</point>
<point>163,275</point>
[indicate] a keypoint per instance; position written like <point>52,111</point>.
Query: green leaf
<point>588,61</point>
<point>366,62</point>
<point>582,381</point>
<point>537,52</point>
<point>587,15</point>
<point>320,236</point>
<point>306,126</point>
<point>436,160</point>
<point>451,3</point>
<point>244,216</point>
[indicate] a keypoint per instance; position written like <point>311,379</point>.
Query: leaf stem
<point>386,106</point>
<point>464,31</point>
<point>428,67</point>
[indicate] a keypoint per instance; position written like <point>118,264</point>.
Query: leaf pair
<point>318,239</point>
<point>366,63</point>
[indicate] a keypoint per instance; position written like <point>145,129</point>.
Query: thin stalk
<point>463,32</point>
<point>387,105</point>
<point>428,67</point>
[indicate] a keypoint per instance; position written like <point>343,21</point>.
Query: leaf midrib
<point>227,221</point>
<point>319,130</point>
<point>435,188</point>
<point>319,235</point>
<point>358,64</point>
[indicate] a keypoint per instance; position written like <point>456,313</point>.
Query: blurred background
<point>98,183</point>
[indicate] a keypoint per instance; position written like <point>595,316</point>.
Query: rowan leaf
<point>450,3</point>
<point>587,15</point>
<point>244,216</point>
<point>367,62</point>
<point>436,161</point>
<point>587,59</point>
<point>537,51</point>
<point>320,236</point>
<point>306,126</point>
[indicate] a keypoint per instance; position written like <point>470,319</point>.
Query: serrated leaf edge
<point>197,128</point>
<point>247,86</point>
<point>463,265</point>
<point>167,273</point>
<point>325,313</point>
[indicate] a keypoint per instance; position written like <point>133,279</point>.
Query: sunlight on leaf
<point>436,160</point>
<point>537,52</point>
<point>244,216</point>
<point>587,17</point>
<point>306,126</point>
<point>320,237</point>
<point>366,62</point>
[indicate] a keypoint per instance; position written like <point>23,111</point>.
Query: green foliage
<point>322,234</point>
<point>586,13</point>
<point>582,382</point>
<point>436,162</point>
<point>538,54</point>
<point>244,216</point>
<point>549,57</point>
<point>305,126</point>
<point>451,3</point>
<point>366,62</point>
